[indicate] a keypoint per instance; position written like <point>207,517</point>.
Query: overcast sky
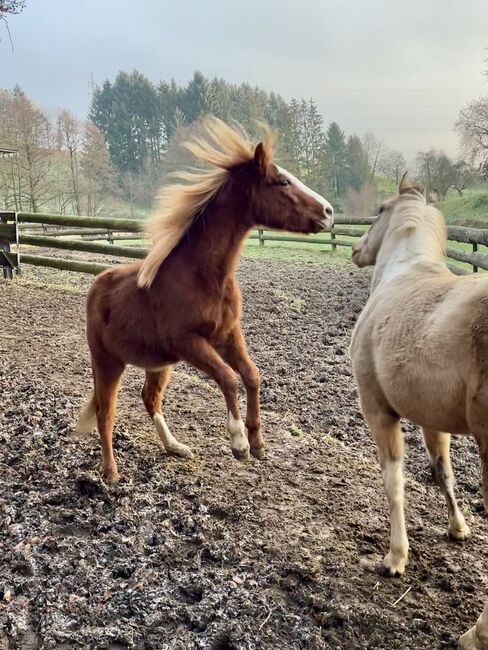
<point>401,70</point>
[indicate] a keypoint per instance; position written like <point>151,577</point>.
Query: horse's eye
<point>380,209</point>
<point>284,181</point>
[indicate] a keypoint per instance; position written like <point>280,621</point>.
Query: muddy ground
<point>211,553</point>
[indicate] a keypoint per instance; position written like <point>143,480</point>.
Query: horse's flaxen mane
<point>221,147</point>
<point>412,213</point>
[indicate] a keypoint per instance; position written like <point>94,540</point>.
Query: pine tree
<point>357,164</point>
<point>336,156</point>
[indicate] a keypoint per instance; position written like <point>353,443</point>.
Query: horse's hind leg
<point>482,441</point>
<point>152,394</point>
<point>388,435</point>
<point>437,444</point>
<point>107,374</point>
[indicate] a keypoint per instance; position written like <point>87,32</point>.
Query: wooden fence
<point>85,234</point>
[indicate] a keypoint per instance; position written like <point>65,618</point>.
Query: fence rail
<point>56,231</point>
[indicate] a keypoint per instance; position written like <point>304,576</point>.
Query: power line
<point>425,130</point>
<point>392,105</point>
<point>372,90</point>
<point>397,117</point>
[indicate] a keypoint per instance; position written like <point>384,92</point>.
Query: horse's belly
<point>135,351</point>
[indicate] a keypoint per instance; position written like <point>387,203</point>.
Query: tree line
<point>141,121</point>
<point>129,143</point>
<point>61,167</point>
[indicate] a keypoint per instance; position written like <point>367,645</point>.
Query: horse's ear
<point>405,184</point>
<point>261,159</point>
<point>433,196</point>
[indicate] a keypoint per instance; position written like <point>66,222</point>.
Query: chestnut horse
<point>420,351</point>
<point>182,302</point>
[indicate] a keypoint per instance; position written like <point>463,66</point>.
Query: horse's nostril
<point>329,211</point>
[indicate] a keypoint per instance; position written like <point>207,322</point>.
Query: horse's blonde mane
<point>419,224</point>
<point>412,213</point>
<point>220,146</point>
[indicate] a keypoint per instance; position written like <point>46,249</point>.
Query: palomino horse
<point>182,303</point>
<point>420,351</point>
<point>476,638</point>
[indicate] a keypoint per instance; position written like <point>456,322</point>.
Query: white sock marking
<point>237,432</point>
<point>169,441</point>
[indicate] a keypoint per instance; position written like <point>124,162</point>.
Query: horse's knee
<point>228,381</point>
<point>251,378</point>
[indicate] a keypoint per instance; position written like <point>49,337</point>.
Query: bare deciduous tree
<point>10,7</point>
<point>392,164</point>
<point>359,203</point>
<point>98,171</point>
<point>69,139</point>
<point>27,129</point>
<point>472,126</point>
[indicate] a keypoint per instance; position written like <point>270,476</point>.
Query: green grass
<point>468,210</point>
<point>296,252</point>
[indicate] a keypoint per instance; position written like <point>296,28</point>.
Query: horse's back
<point>416,346</point>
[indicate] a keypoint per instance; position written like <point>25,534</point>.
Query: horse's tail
<point>88,418</point>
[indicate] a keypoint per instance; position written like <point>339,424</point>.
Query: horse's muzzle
<point>327,220</point>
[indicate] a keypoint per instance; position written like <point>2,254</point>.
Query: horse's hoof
<point>258,452</point>
<point>111,475</point>
<point>392,566</point>
<point>470,641</point>
<point>182,451</point>
<point>241,454</point>
<point>459,533</point>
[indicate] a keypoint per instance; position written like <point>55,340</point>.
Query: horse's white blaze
<point>170,443</point>
<point>328,219</point>
<point>237,432</point>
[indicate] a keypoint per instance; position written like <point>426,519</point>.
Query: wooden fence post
<point>475,249</point>
<point>9,261</point>
<point>333,236</point>
<point>261,237</point>
<point>110,236</point>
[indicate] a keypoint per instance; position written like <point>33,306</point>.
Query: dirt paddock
<point>211,553</point>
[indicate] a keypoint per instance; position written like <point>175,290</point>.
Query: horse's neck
<point>214,241</point>
<point>418,246</point>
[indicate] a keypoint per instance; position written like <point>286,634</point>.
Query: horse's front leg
<point>234,351</point>
<point>198,352</point>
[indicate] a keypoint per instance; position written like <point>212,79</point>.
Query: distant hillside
<point>468,210</point>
